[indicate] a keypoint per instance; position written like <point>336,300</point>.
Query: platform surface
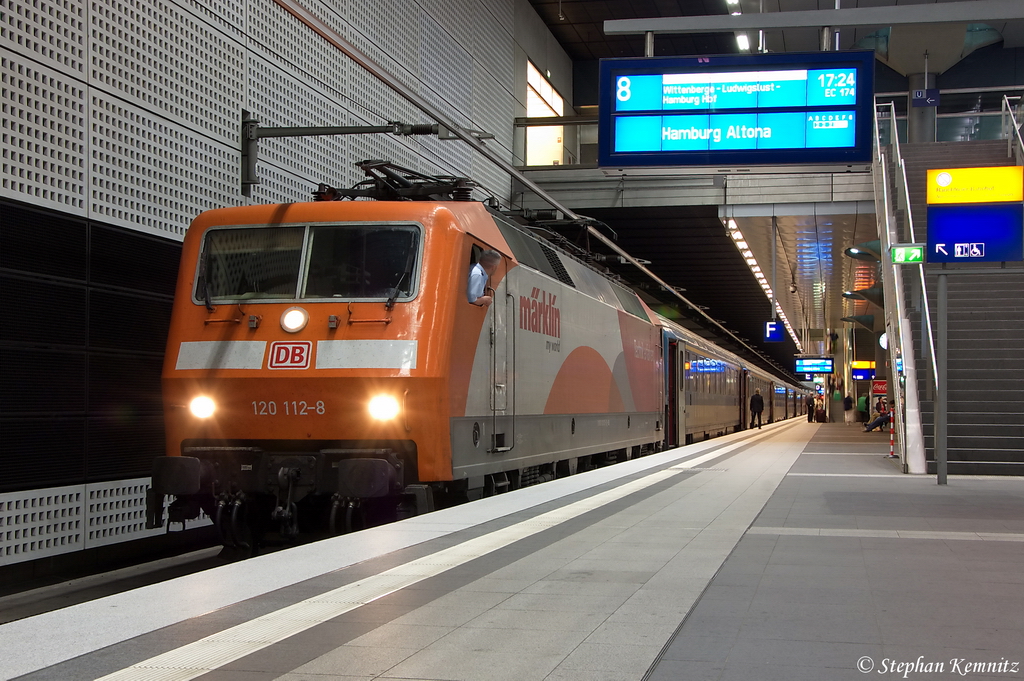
<point>799,551</point>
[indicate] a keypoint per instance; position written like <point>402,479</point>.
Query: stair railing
<point>1012,115</point>
<point>906,402</point>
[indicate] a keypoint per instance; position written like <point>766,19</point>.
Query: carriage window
<point>250,263</point>
<point>361,261</point>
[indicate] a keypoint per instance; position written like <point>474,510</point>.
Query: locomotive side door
<point>676,393</point>
<point>501,318</point>
<point>744,399</point>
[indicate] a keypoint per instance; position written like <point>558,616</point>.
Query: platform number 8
<point>622,89</point>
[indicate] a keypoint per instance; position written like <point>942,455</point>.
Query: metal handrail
<point>926,321</point>
<point>908,428</point>
<point>1011,128</point>
<point>889,277</point>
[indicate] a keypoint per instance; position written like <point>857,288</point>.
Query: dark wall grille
<point>115,441</point>
<point>126,321</point>
<point>123,384</point>
<point>41,452</point>
<point>118,256</point>
<point>23,230</point>
<point>42,313</point>
<point>86,311</point>
<point>41,382</point>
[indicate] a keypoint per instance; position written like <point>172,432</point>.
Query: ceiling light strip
<point>743,247</point>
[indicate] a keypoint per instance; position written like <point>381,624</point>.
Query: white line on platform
<point>202,656</point>
<point>887,534</point>
<point>894,476</point>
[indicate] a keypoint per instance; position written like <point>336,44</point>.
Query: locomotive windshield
<point>351,262</point>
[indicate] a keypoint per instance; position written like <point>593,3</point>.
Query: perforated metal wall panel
<point>128,111</point>
<point>40,523</point>
<point>48,522</point>
<point>163,59</point>
<point>115,511</point>
<point>42,131</point>
<point>153,174</point>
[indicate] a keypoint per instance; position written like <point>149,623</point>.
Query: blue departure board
<point>814,365</point>
<point>737,110</point>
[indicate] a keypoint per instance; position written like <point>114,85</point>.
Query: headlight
<point>383,407</point>
<point>294,319</point>
<point>202,407</point>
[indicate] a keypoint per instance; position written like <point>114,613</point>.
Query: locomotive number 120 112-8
<point>293,408</point>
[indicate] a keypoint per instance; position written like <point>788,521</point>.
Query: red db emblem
<point>290,354</point>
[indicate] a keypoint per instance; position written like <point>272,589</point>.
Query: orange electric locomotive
<point>327,364</point>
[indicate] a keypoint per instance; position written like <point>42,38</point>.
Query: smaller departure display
<point>814,365</point>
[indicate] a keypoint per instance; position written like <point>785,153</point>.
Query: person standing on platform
<point>862,408</point>
<point>810,409</point>
<point>850,415</point>
<point>756,407</point>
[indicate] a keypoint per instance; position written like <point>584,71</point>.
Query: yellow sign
<point>862,364</point>
<point>976,185</point>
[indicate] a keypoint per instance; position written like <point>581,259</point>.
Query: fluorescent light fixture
<point>742,41</point>
<point>743,247</point>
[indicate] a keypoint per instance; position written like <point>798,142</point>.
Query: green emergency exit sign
<point>907,254</point>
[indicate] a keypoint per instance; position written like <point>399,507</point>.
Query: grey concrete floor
<point>853,570</point>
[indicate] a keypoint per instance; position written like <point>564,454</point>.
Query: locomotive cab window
<point>362,261</point>
<point>252,262</point>
<point>350,262</point>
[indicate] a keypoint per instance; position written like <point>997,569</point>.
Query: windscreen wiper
<point>409,260</point>
<point>203,267</point>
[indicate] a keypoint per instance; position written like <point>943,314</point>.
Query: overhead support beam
<point>971,11</point>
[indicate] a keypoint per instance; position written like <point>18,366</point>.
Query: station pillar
<point>920,119</point>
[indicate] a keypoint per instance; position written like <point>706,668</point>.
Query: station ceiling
<point>689,246</point>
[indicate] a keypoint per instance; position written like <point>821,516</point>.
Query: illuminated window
<point>544,145</point>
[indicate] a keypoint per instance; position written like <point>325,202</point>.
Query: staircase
<point>985,375</point>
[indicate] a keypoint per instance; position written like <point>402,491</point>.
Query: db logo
<point>290,354</point>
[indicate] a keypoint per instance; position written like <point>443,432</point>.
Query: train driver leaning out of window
<point>478,290</point>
